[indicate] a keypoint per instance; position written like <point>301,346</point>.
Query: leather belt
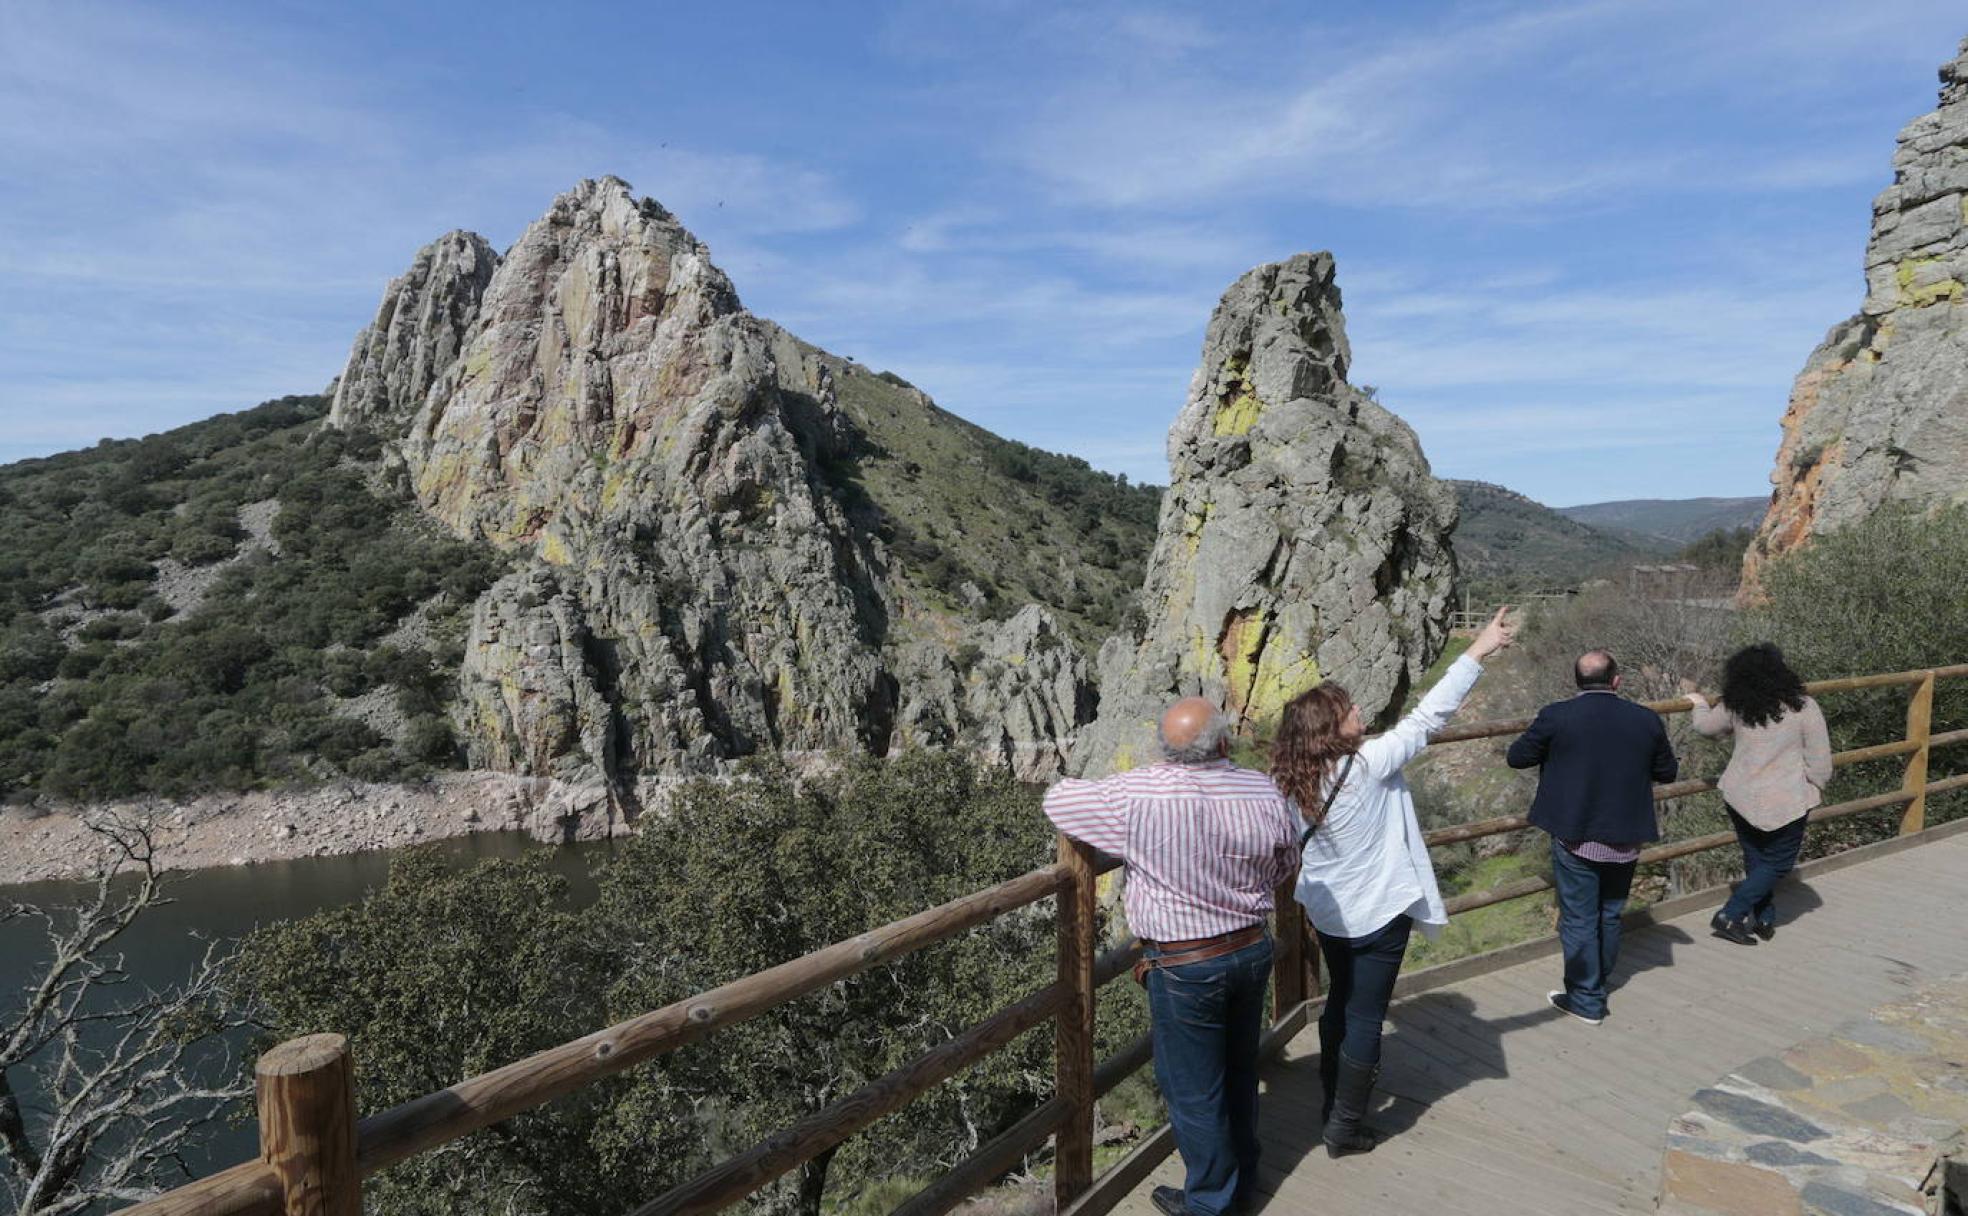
<point>1196,950</point>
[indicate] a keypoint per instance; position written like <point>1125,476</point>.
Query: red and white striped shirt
<point>1204,844</point>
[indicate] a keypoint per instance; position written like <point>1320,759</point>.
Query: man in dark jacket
<point>1598,755</point>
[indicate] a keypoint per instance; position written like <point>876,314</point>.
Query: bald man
<point>1205,843</point>
<point>1597,755</point>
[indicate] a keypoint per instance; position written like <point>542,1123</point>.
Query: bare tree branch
<point>123,1086</point>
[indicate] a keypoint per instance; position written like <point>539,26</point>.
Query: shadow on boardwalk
<point>1494,1104</point>
<point>1437,1043</point>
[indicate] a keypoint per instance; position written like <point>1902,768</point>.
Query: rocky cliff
<point>1302,536</point>
<point>702,575</point>
<point>1880,412</point>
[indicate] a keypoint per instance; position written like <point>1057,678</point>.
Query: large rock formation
<point>1880,411</point>
<point>598,402</point>
<point>1302,536</point>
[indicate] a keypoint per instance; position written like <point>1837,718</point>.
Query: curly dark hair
<point>1309,745</point>
<point>1759,687</point>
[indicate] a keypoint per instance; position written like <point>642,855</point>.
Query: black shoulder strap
<point>1343,770</point>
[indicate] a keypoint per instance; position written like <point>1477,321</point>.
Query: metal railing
<point>314,1152</point>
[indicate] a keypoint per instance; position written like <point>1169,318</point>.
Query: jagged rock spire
<point>1302,537</point>
<point>1880,412</point>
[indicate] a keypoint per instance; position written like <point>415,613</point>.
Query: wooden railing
<point>314,1152</point>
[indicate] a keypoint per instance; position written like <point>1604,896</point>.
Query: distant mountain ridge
<point>1676,521</point>
<point>1507,543</point>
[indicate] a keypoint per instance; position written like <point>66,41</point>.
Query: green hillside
<point>1507,544</point>
<point>957,504</point>
<point>220,605</point>
<point>250,601</point>
<point>1677,521</point>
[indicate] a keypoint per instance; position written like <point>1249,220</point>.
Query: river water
<point>224,904</point>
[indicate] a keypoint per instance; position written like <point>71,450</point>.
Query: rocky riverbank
<point>342,817</point>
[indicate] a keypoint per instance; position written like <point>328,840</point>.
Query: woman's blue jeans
<point>1360,975</point>
<point>1206,1019</point>
<point>1768,855</point>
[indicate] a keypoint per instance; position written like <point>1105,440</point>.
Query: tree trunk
<point>13,1133</point>
<point>813,1183</point>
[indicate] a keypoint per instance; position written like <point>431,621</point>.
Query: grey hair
<point>1205,747</point>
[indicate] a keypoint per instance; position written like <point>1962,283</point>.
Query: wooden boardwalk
<point>1498,1104</point>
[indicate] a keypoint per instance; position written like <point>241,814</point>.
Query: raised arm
<point>1386,754</point>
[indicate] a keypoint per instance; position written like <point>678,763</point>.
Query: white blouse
<point>1366,864</point>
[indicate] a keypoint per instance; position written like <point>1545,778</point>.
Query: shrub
<point>112,628</point>
<point>442,975</point>
<point>1884,594</point>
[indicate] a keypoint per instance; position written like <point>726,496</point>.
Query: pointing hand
<point>1499,633</point>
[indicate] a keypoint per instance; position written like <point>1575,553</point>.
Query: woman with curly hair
<point>1776,774</point>
<point>1365,878</point>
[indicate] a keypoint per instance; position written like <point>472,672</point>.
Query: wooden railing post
<point>306,1093</point>
<point>1920,721</point>
<point>1288,963</point>
<point>1073,1043</point>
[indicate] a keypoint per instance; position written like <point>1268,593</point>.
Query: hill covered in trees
<point>1508,544</point>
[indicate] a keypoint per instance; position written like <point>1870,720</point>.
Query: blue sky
<point>1584,246</point>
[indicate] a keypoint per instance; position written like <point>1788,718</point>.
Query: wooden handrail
<point>824,1129</point>
<point>257,1188</point>
<point>426,1122</point>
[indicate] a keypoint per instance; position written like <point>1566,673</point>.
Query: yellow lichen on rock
<point>1916,293</point>
<point>1239,416</point>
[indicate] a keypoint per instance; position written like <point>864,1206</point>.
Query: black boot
<point>1346,1130</point>
<point>1328,1083</point>
<point>1328,1070</point>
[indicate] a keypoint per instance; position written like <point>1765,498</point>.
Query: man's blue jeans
<point>1768,855</point>
<point>1206,1019</point>
<point>1591,896</point>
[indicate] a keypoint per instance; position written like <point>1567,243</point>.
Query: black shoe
<point>1170,1200</point>
<point>1736,931</point>
<point>1766,928</point>
<point>1346,1131</point>
<point>1563,1004</point>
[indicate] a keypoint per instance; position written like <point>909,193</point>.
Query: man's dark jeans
<point>1591,896</point>
<point>1206,1020</point>
<point>1768,855</point>
<point>1360,974</point>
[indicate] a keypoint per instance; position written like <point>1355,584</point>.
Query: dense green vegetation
<point>107,689</point>
<point>1884,594</point>
<point>1720,550</point>
<point>957,504</point>
<point>442,975</point>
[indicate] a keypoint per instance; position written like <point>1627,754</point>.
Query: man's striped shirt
<point>1205,844</point>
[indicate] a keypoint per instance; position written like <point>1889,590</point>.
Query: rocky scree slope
<point>1880,412</point>
<point>1302,535</point>
<point>728,540</point>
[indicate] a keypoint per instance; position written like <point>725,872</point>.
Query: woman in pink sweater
<point>1776,774</point>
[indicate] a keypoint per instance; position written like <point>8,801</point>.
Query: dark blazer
<point>1600,755</point>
